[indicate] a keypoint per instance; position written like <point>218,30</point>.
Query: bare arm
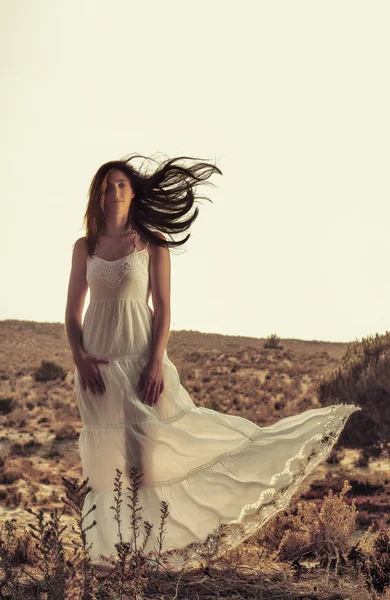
<point>86,364</point>
<point>160,279</point>
<point>151,379</point>
<point>77,291</point>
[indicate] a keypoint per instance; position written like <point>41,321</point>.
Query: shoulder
<point>158,253</point>
<point>155,247</point>
<point>80,251</point>
<point>80,246</point>
<point>80,243</point>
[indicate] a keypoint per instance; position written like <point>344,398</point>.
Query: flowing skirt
<point>219,473</point>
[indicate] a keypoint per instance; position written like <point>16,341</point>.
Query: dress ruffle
<point>219,473</point>
<point>240,489</point>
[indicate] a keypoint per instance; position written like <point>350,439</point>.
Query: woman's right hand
<point>89,373</point>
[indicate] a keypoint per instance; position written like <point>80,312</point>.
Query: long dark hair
<point>162,202</point>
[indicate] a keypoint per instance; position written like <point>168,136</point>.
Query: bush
<point>325,534</point>
<point>213,404</point>
<point>272,342</point>
<point>11,496</point>
<point>372,553</point>
<point>48,371</point>
<point>10,475</point>
<point>363,379</point>
<point>27,449</point>
<point>7,404</point>
<point>52,451</point>
<point>66,431</point>
<point>17,418</point>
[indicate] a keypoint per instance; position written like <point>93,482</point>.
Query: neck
<point>115,226</point>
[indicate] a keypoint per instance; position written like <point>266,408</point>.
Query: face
<point>119,193</point>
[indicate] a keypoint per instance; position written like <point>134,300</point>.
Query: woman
<point>212,468</point>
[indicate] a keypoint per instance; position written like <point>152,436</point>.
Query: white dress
<point>215,470</point>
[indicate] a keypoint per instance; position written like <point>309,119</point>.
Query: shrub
<point>372,553</point>
<point>17,418</point>
<point>7,403</point>
<point>213,404</point>
<point>272,342</point>
<point>11,496</point>
<point>65,431</point>
<point>10,475</point>
<point>324,534</point>
<point>52,451</point>
<point>48,371</point>
<point>363,378</point>
<point>27,449</point>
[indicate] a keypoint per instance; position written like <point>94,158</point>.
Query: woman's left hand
<point>151,381</point>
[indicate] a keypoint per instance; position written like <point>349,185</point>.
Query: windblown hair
<point>162,203</point>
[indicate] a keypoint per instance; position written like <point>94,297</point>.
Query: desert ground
<point>40,422</point>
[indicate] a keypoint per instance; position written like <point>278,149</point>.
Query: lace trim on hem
<point>227,536</point>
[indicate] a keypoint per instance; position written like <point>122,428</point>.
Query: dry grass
<point>40,424</point>
<point>35,564</point>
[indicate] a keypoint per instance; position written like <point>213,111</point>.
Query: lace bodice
<point>111,272</point>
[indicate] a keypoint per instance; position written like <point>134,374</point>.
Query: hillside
<point>40,421</point>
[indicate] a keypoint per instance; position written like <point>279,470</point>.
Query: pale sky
<point>290,99</point>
